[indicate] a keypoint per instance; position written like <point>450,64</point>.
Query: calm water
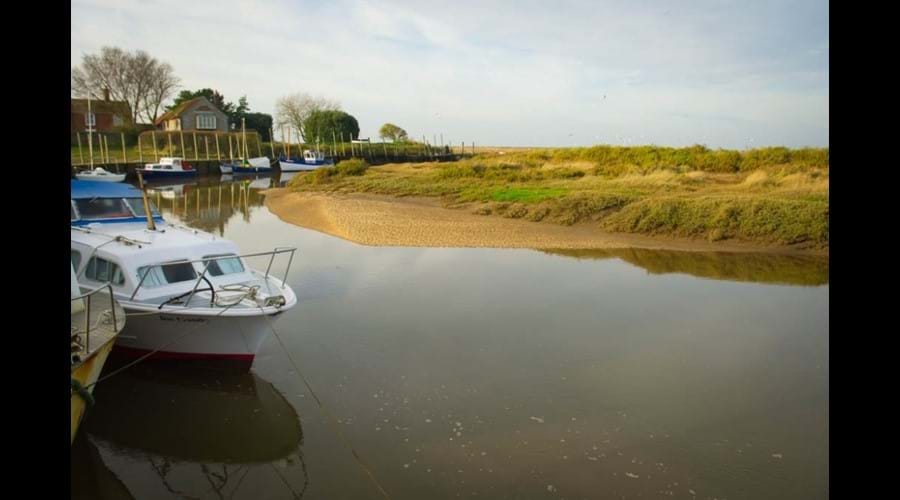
<point>483,373</point>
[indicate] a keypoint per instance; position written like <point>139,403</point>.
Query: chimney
<point>106,94</point>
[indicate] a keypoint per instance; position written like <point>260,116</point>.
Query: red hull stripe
<point>135,352</point>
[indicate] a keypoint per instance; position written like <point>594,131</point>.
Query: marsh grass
<point>771,195</point>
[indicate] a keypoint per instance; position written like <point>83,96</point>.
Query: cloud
<point>500,74</point>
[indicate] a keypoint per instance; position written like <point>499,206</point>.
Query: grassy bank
<point>772,196</point>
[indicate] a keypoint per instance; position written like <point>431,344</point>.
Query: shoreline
<point>383,220</point>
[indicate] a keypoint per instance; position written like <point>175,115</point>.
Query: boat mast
<point>244,132</point>
<point>150,224</point>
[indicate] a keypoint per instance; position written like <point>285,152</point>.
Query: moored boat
<point>99,174</point>
<point>167,167</point>
<point>193,294</point>
<point>97,319</point>
<point>311,160</point>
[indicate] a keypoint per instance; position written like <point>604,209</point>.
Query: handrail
<point>87,314</point>
<point>208,260</point>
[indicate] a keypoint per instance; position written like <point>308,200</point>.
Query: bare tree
<point>162,87</point>
<point>128,77</point>
<point>294,110</point>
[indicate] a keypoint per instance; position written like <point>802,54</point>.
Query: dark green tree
<point>259,122</point>
<point>320,125</point>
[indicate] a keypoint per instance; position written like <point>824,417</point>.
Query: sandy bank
<point>388,221</point>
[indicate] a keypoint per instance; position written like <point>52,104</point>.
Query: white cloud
<point>523,74</point>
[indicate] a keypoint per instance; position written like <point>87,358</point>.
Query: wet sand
<point>380,220</point>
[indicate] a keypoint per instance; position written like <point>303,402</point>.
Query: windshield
<point>137,206</point>
<point>103,208</point>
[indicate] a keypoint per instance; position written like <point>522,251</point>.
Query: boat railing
<point>208,260</point>
<point>87,312</point>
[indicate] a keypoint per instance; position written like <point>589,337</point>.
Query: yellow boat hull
<point>86,374</point>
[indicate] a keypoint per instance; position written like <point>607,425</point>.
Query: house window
<point>102,270</point>
<point>206,121</point>
<point>117,121</point>
<point>90,120</point>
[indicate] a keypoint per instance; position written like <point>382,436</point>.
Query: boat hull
<point>299,166</point>
<point>86,374</point>
<point>165,174</point>
<point>232,340</point>
<point>101,178</point>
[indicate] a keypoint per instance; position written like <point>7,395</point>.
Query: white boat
<point>167,167</point>
<point>311,160</point>
<point>225,168</point>
<point>189,294</point>
<point>99,174</point>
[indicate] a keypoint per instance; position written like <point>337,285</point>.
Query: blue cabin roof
<point>96,189</point>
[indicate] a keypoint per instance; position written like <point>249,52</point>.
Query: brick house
<point>107,116</point>
<point>196,114</point>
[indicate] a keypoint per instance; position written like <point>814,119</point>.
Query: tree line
<point>147,84</point>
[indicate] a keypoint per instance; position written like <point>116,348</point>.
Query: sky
<point>726,74</point>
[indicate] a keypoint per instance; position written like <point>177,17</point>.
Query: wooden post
<point>259,144</point>
<point>155,151</point>
<point>196,150</point>
<point>272,141</point>
<point>124,153</point>
<point>230,149</point>
<point>218,153</point>
<point>206,145</point>
<point>171,151</point>
<point>384,145</point>
<point>343,151</point>
<point>105,149</point>
<point>140,152</point>
<point>183,154</point>
<point>333,144</point>
<point>80,154</point>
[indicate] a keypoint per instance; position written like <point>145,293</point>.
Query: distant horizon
<point>727,75</point>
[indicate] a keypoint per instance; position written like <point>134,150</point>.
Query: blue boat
<point>167,168</point>
<point>311,160</point>
<point>108,202</point>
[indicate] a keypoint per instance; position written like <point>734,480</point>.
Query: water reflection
<point>165,429</point>
<point>747,267</point>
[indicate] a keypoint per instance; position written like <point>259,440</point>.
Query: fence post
<point>140,152</point>
<point>206,146</point>
<point>181,134</point>
<point>196,150</point>
<point>80,154</point>
<point>218,153</point>
<point>124,153</point>
<point>155,151</point>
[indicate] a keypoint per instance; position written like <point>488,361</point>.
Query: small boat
<point>97,319</point>
<point>311,160</point>
<point>252,166</point>
<point>167,167</point>
<point>225,168</point>
<point>99,174</point>
<point>193,294</point>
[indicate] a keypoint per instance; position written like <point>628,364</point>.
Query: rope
<point>82,392</point>
<point>329,417</point>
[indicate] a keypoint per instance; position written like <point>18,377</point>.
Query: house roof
<point>184,106</point>
<point>100,106</point>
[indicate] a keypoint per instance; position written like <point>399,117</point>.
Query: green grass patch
<point>526,195</point>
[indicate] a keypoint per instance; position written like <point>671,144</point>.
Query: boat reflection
<point>196,434</point>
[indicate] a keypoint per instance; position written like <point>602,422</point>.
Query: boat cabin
<point>108,202</point>
<point>167,163</point>
<point>313,157</point>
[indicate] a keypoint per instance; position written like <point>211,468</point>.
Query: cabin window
<point>164,274</point>
<point>206,121</point>
<point>137,206</point>
<point>222,267</point>
<point>90,120</point>
<point>102,270</point>
<point>103,208</point>
<point>76,259</point>
<point>118,121</point>
<point>72,208</point>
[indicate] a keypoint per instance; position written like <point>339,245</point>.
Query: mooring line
<point>331,420</point>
